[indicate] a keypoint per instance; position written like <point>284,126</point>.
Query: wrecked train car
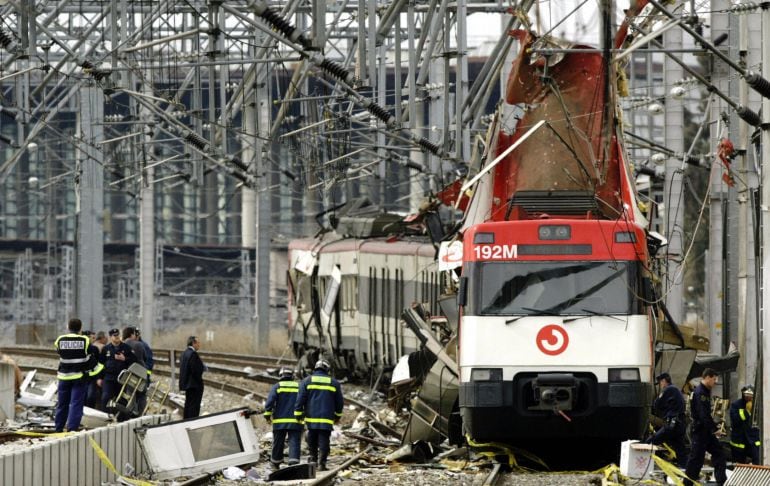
<point>347,294</point>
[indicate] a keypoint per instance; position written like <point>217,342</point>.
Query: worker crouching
<point>744,437</point>
<point>319,404</point>
<point>279,410</point>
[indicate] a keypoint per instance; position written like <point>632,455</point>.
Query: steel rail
<point>493,475</point>
<point>213,360</point>
<point>328,478</point>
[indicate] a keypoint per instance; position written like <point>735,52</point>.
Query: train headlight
<point>483,238</point>
<point>487,374</point>
<point>623,374</point>
<point>554,232</point>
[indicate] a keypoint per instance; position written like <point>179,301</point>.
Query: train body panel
<point>564,343</point>
<point>379,277</point>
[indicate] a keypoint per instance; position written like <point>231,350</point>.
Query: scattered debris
<point>292,473</point>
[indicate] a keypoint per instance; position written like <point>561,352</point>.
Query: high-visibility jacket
<point>76,357</point>
<point>741,434</point>
<point>319,401</point>
<point>280,405</point>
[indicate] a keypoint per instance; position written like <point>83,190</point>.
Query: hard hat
<point>747,390</point>
<point>286,374</point>
<point>323,365</point>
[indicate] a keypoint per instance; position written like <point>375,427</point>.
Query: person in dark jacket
<point>704,433</point>
<point>670,407</point>
<point>94,395</point>
<point>130,338</point>
<point>116,356</point>
<point>148,359</point>
<point>279,410</point>
<point>77,363</point>
<point>744,438</point>
<point>191,370</point>
<point>319,404</point>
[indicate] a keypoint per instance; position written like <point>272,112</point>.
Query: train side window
<point>349,293</point>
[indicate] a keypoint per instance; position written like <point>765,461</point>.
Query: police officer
<point>744,439</point>
<point>704,431</point>
<point>319,404</point>
<point>77,362</point>
<point>279,409</point>
<point>131,338</point>
<point>116,357</point>
<point>670,407</point>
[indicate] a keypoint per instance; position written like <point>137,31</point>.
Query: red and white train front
<point>555,337</point>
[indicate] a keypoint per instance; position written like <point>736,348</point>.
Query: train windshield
<point>554,288</point>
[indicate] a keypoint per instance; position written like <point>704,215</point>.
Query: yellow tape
<point>670,452</point>
<point>676,474</point>
<point>507,450</point>
<point>108,464</point>
<point>42,434</point>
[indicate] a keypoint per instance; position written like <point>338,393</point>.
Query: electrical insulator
<point>655,108</point>
<point>678,92</point>
<point>744,8</point>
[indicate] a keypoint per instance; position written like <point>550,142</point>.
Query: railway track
<point>494,475</point>
<point>241,366</point>
<point>228,363</point>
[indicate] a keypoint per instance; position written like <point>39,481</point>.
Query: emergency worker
<point>703,432</point>
<point>319,404</point>
<point>279,410</point>
<point>77,363</point>
<point>149,362</point>
<point>116,357</point>
<point>94,395</point>
<point>744,439</point>
<point>670,407</point>
<point>130,337</point>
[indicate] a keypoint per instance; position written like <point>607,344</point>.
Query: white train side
<point>379,278</point>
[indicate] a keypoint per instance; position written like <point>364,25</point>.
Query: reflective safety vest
<point>74,358</point>
<point>319,401</point>
<point>742,434</point>
<point>279,406</point>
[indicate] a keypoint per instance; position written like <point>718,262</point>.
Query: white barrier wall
<point>7,399</point>
<point>72,461</point>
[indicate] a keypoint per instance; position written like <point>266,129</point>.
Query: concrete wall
<point>72,461</point>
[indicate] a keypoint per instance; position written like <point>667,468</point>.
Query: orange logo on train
<point>552,340</point>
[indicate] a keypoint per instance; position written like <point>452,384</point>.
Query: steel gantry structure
<point>147,119</point>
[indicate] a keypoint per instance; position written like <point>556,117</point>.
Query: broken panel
<point>200,445</point>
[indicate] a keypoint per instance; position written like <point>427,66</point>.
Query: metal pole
<point>147,227</point>
<point>260,129</point>
<point>90,190</point>
<point>714,294</point>
<point>673,189</point>
<point>764,395</point>
<point>742,199</point>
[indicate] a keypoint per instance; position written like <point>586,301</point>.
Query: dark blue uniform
<point>703,438</point>
<point>744,439</point>
<point>319,404</point>
<point>77,363</point>
<point>670,407</point>
<point>279,409</point>
<point>112,368</point>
